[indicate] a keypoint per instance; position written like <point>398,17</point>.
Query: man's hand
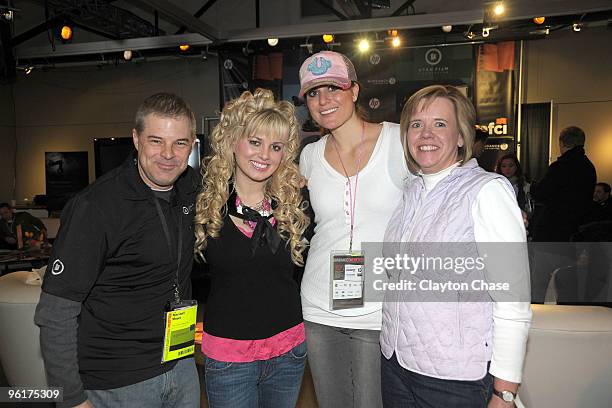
<point>85,404</point>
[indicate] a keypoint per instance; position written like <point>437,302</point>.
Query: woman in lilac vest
<point>454,335</point>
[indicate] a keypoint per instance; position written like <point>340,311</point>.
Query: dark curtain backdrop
<point>535,134</point>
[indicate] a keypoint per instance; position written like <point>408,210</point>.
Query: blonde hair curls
<point>240,118</point>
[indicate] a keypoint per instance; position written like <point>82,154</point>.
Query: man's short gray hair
<point>572,136</point>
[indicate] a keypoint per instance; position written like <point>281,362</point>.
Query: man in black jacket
<point>563,198</point>
<point>566,191</point>
<point>123,254</point>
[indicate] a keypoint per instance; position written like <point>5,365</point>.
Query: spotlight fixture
<point>396,42</point>
<point>7,15</point>
<point>127,55</point>
<point>547,31</point>
<point>485,31</point>
<point>576,27</point>
<point>328,38</point>
<point>470,35</point>
<point>363,45</point>
<point>447,28</point>
<point>28,70</point>
<point>539,20</point>
<point>393,33</point>
<point>65,32</point>
<point>184,47</point>
<point>493,12</point>
<point>272,42</point>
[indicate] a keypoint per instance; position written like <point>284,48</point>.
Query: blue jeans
<point>273,383</point>
<point>345,366</point>
<point>177,388</point>
<point>403,388</point>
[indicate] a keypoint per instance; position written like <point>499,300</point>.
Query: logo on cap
<point>319,66</point>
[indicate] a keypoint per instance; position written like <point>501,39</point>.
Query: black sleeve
<point>79,251</point>
<point>550,186</point>
<point>57,319</point>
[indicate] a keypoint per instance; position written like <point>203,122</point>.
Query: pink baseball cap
<point>326,68</point>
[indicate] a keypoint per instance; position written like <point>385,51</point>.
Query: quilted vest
<point>448,339</point>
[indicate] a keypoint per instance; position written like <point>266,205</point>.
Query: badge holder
<point>346,277</point>
<point>179,333</point>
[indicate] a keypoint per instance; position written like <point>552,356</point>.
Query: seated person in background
<point>31,227</point>
<point>602,203</point>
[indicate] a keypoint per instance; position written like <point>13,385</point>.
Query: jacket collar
<point>572,153</point>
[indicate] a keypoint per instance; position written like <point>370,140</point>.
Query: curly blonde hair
<point>241,118</point>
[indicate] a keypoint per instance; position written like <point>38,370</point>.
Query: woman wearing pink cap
<point>355,174</point>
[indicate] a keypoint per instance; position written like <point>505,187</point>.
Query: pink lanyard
<point>353,199</point>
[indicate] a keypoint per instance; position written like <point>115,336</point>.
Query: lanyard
<point>352,198</point>
<point>162,219</point>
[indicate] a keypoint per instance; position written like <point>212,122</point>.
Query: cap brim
<point>340,83</point>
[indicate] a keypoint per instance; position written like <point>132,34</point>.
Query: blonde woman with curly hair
<point>249,228</point>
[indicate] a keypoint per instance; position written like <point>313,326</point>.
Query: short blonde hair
<point>464,113</point>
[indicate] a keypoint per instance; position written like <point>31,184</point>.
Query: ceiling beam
<point>524,10</point>
<point>103,47</point>
<point>403,7</point>
<point>199,13</point>
<point>180,17</point>
<point>331,8</point>
<point>354,26</point>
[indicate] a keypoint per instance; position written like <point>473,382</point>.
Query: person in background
<point>601,195</point>
<point>563,200</point>
<point>454,353</point>
<point>249,227</point>
<point>31,227</point>
<point>355,174</point>
<point>509,166</point>
<point>480,141</point>
<point>565,191</point>
<point>121,262</point>
<point>602,203</point>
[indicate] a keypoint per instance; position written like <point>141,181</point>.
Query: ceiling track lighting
<point>499,9</point>
<point>272,42</point>
<point>7,15</point>
<point>66,32</point>
<point>363,45</point>
<point>486,31</point>
<point>577,27</point>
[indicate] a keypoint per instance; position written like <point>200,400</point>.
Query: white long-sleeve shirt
<point>511,320</point>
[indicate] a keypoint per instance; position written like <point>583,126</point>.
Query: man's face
<point>562,147</point>
<point>599,195</point>
<point>163,148</point>
<point>6,214</point>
